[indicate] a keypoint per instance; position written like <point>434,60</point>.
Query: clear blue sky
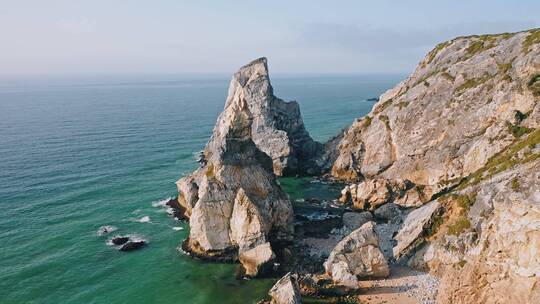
<point>174,36</point>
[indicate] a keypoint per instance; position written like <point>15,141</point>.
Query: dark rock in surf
<point>132,245</point>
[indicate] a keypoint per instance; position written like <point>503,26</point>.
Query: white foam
<point>144,219</point>
<point>161,203</point>
<point>105,229</point>
<point>177,228</point>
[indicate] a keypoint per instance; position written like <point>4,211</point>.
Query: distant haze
<point>167,36</point>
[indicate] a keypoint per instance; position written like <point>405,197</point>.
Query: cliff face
<point>466,100</point>
<point>234,202</point>
<point>462,133</point>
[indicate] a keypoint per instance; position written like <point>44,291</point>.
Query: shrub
<point>459,226</point>
<point>474,82</point>
<point>514,184</point>
<point>532,39</point>
<point>383,106</point>
<point>534,84</point>
<point>448,76</point>
<point>436,50</point>
<point>517,131</point>
<point>367,122</point>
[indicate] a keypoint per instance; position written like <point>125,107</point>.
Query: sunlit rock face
<point>467,100</point>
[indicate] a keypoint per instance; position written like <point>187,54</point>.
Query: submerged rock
<point>119,240</point>
<point>126,242</point>
<point>286,290</point>
<point>357,255</point>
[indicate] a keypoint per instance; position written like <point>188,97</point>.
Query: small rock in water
<point>119,240</point>
<point>132,245</point>
<point>105,229</point>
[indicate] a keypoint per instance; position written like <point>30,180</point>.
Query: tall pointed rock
<point>234,201</point>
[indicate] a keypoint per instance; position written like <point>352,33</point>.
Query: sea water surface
<point>80,152</point>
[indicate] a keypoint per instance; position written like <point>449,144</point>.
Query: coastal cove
<point>80,154</point>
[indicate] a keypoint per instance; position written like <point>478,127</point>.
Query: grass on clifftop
<point>483,43</point>
<point>431,55</point>
<point>532,39</point>
<point>383,106</point>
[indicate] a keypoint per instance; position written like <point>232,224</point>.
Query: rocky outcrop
<point>357,255</point>
<point>286,290</point>
<point>374,192</point>
<point>233,200</point>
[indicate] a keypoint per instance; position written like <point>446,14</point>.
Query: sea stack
<point>234,202</point>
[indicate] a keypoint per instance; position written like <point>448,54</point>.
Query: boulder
<point>414,197</point>
<point>257,261</point>
<point>353,220</point>
<point>369,194</point>
<point>389,212</point>
<point>357,255</point>
<point>413,227</point>
<point>286,290</point>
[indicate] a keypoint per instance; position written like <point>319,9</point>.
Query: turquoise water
<point>90,151</point>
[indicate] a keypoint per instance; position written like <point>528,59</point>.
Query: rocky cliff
<point>457,146</point>
<point>442,175</point>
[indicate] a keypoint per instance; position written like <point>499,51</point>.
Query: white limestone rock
<point>357,255</point>
<point>286,290</point>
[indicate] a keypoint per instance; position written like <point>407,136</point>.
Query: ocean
<point>80,152</point>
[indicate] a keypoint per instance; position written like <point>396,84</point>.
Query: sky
<point>182,37</point>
